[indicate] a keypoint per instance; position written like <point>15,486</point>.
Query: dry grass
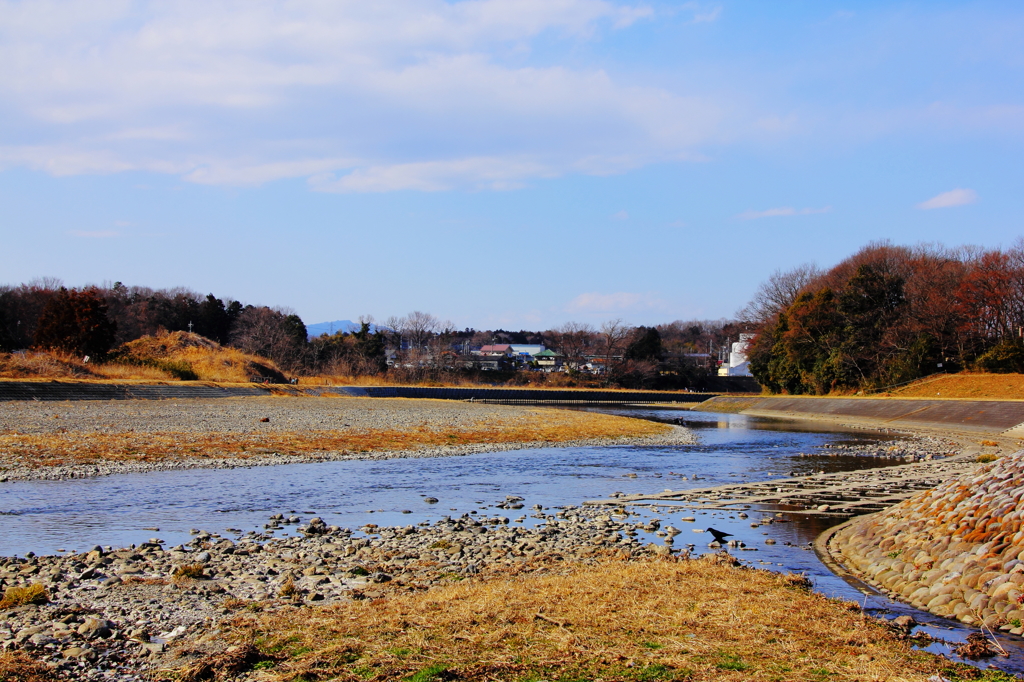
<point>538,425</point>
<point>640,621</point>
<point>152,358</point>
<point>965,386</point>
<point>19,596</point>
<point>189,572</point>
<point>16,666</point>
<point>44,365</point>
<point>208,360</point>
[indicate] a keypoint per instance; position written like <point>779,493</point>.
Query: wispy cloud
<point>418,95</point>
<point>606,303</point>
<point>781,212</point>
<point>620,215</point>
<point>954,197</point>
<point>96,234</point>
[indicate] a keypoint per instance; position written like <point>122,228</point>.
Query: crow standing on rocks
<point>719,535</point>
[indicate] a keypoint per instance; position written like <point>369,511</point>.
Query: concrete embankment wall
<point>982,417</point>
<point>511,395</point>
<point>59,390</point>
<point>64,390</point>
<point>956,550</point>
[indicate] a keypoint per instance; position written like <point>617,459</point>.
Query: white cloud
<point>702,13</point>
<point>781,211</point>
<point>620,215</point>
<point>96,234</point>
<point>433,176</point>
<point>355,96</point>
<point>606,303</point>
<point>954,197</point>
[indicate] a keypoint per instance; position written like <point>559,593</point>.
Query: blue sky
<point>499,163</point>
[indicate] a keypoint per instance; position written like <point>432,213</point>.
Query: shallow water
<point>50,516</point>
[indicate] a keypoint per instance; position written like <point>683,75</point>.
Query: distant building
<point>548,360</point>
<point>739,364</point>
<point>495,350</point>
<point>525,352</point>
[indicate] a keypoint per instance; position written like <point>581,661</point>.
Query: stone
<point>96,627</point>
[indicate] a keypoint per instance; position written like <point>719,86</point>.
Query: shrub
<point>19,596</point>
<point>289,589</point>
<point>189,572</point>
<point>16,666</point>
<point>1006,356</point>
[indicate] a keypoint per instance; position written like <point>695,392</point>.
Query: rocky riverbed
<point>58,441</point>
<point>908,449</point>
<point>115,614</point>
<point>956,550</point>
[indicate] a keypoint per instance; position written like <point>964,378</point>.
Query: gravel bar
<point>244,417</point>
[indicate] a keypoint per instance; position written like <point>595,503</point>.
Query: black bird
<point>719,535</point>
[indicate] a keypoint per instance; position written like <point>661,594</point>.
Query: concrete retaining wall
<point>55,390</point>
<point>512,395</point>
<point>967,416</point>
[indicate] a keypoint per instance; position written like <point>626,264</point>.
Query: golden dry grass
<point>536,425</point>
<point>50,365</point>
<point>19,596</point>
<point>207,359</point>
<point>640,621</point>
<point>151,358</point>
<point>16,666</point>
<point>965,386</point>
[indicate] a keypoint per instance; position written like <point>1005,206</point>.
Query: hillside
<point>175,356</point>
<point>964,386</point>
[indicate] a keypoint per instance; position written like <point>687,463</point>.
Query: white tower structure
<point>739,365</point>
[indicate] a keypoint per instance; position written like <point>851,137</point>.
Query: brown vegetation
<point>19,596</point>
<point>164,357</point>
<point>17,666</point>
<point>641,621</point>
<point>965,386</point>
<point>540,425</point>
<point>887,315</point>
<point>183,353</point>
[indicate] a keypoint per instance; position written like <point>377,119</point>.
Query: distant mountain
<point>346,326</point>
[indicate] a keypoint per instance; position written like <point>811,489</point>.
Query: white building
<point>738,365</point>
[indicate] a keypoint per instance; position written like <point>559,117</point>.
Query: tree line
<point>888,315</point>
<point>45,315</point>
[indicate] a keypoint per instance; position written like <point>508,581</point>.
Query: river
<point>48,517</point>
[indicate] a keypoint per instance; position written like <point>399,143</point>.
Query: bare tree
<point>614,334</point>
<point>777,293</point>
<point>270,333</point>
<point>573,339</point>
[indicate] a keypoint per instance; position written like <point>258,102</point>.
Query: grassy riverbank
<point>640,621</point>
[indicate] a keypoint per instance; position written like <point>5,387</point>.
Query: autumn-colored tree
<point>76,321</point>
<point>890,314</point>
